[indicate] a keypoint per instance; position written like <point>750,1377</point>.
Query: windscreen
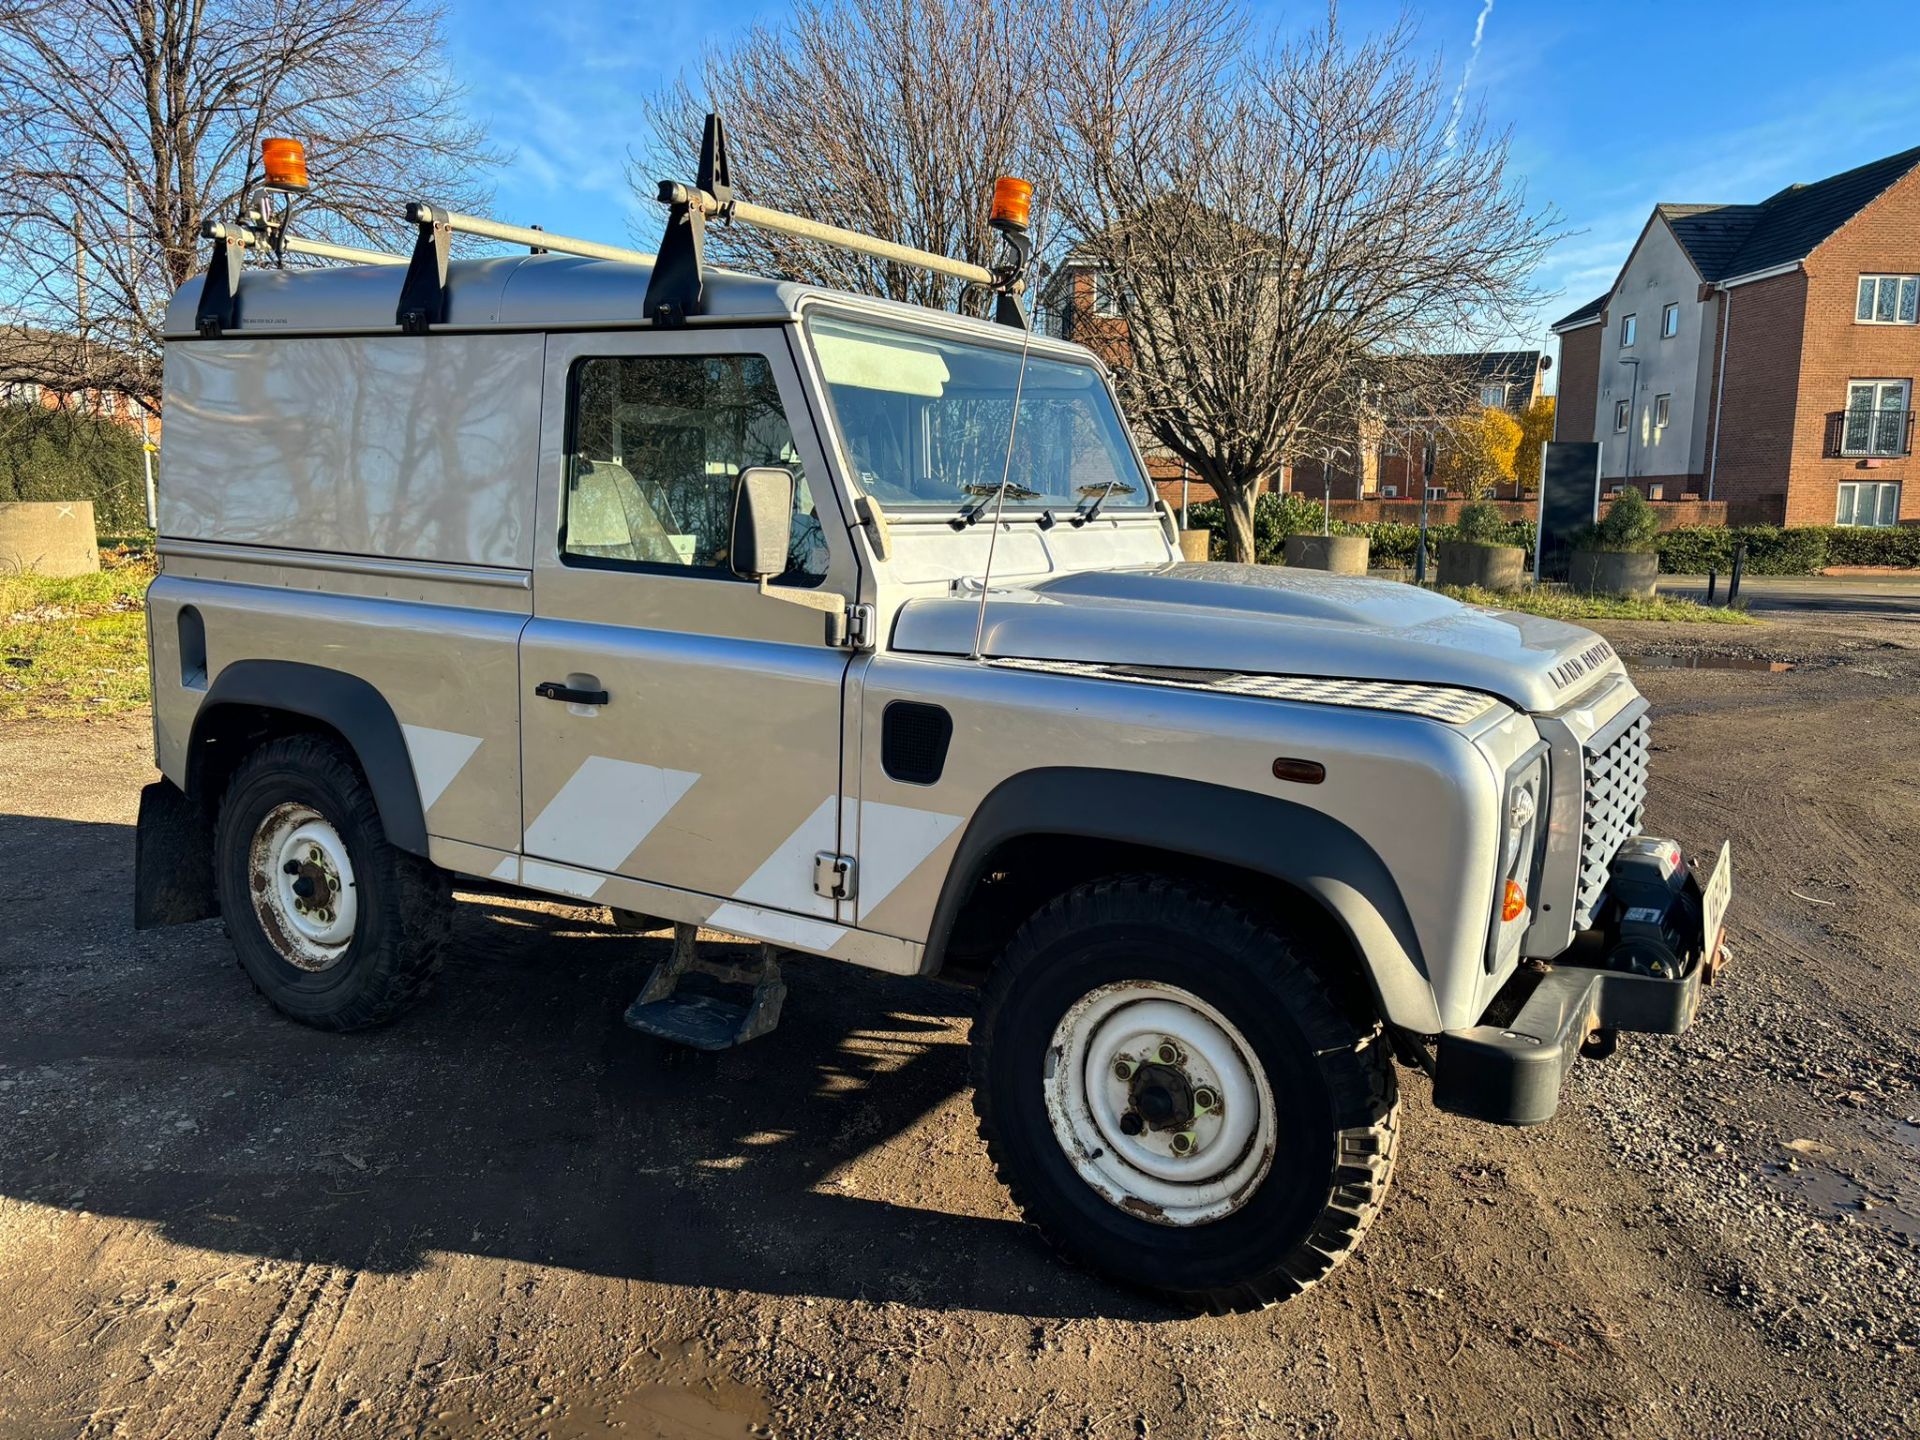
<point>924,422</point>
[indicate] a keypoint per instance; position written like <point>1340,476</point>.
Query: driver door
<point>706,752</point>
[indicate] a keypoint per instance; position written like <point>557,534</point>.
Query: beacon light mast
<point>675,290</point>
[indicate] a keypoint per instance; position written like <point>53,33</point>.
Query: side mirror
<point>762,522</point>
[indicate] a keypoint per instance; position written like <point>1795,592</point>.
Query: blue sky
<point>1612,107</point>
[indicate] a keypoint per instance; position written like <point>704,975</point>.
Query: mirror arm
<point>830,603</point>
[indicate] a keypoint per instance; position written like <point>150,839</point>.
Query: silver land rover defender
<point>855,629</point>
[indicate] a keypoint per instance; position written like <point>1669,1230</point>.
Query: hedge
<point>1802,550</point>
<point>1393,542</point>
<point>48,454</point>
<point>1689,550</point>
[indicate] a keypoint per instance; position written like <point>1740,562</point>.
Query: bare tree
<point>125,123</point>
<point>1275,224</point>
<point>887,116</point>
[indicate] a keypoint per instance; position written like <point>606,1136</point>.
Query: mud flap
<point>172,860</point>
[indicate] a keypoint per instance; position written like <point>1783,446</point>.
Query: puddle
<point>1709,661</point>
<point>1832,1193</point>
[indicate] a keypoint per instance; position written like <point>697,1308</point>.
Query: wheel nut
<point>1168,1053</point>
<point>1183,1143</point>
<point>1123,1068</point>
<point>1204,1099</point>
<point>1131,1124</point>
<point>292,867</point>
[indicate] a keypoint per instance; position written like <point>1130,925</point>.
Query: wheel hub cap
<point>1159,1103</point>
<point>303,888</point>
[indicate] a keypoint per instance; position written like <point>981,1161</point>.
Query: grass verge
<point>75,645</point>
<point>1561,604</point>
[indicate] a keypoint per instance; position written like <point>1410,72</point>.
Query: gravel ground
<point>506,1216</point>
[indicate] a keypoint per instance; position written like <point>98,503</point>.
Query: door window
<point>1876,422</point>
<point>656,444</point>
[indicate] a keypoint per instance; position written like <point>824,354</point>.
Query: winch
<point>1655,910</point>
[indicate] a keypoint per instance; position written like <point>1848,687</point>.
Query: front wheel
<point>1174,1100</point>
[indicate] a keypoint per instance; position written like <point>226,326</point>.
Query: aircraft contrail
<point>1466,75</point>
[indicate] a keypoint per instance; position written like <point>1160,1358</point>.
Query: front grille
<point>1616,795</point>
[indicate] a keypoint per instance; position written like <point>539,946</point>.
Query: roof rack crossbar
<point>420,213</point>
<point>295,245</point>
<point>674,193</point>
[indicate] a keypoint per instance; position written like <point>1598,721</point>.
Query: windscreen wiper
<point>1096,497</point>
<point>986,495</point>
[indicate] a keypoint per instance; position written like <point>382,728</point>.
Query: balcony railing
<point>1880,433</point>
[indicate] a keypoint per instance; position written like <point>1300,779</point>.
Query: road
<point>1891,596</point>
<point>506,1216</point>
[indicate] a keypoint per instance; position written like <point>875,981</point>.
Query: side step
<point>706,1022</point>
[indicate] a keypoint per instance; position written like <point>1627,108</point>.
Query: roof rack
<point>675,290</point>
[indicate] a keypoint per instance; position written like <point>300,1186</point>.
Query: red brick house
<point>1762,355</point>
<point>1385,460</point>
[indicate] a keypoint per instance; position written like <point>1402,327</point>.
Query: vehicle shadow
<point>510,1115</point>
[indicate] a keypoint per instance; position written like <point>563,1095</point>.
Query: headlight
<point>1522,818</point>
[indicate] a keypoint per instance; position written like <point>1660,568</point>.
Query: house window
<point>1868,502</point>
<point>1493,396</point>
<point>1888,300</point>
<point>1662,406</point>
<point>1628,327</point>
<point>1106,295</point>
<point>1669,322</point>
<point>1620,415</point>
<point>1876,418</point>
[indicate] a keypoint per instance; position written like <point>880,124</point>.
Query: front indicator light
<point>1513,903</point>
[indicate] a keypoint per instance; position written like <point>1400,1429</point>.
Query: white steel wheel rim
<point>303,888</point>
<point>1189,1167</point>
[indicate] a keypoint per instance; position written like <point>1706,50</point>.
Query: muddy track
<point>507,1216</point>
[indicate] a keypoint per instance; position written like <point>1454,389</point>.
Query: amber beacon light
<point>285,162</point>
<point>1012,202</point>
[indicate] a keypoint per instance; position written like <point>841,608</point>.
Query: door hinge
<point>860,627</point>
<point>833,876</point>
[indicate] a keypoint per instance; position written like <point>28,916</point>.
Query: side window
<point>656,444</point>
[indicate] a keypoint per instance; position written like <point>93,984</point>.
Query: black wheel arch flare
<point>1265,834</point>
<point>347,704</point>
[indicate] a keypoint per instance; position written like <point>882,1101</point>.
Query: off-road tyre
<point>1331,1078</point>
<point>403,905</point>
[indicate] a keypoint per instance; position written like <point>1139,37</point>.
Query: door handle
<point>554,690</point>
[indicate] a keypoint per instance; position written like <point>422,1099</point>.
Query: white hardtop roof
<point>528,292</point>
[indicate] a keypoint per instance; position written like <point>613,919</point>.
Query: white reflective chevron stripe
<point>785,878</point>
<point>894,840</point>
<point>438,756</point>
<point>783,929</point>
<point>609,806</point>
<point>561,879</point>
<point>604,811</point>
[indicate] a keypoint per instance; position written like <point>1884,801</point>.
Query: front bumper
<point>1508,1069</point>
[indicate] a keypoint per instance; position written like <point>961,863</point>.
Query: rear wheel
<point>335,926</point>
<point>1174,1099</point>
